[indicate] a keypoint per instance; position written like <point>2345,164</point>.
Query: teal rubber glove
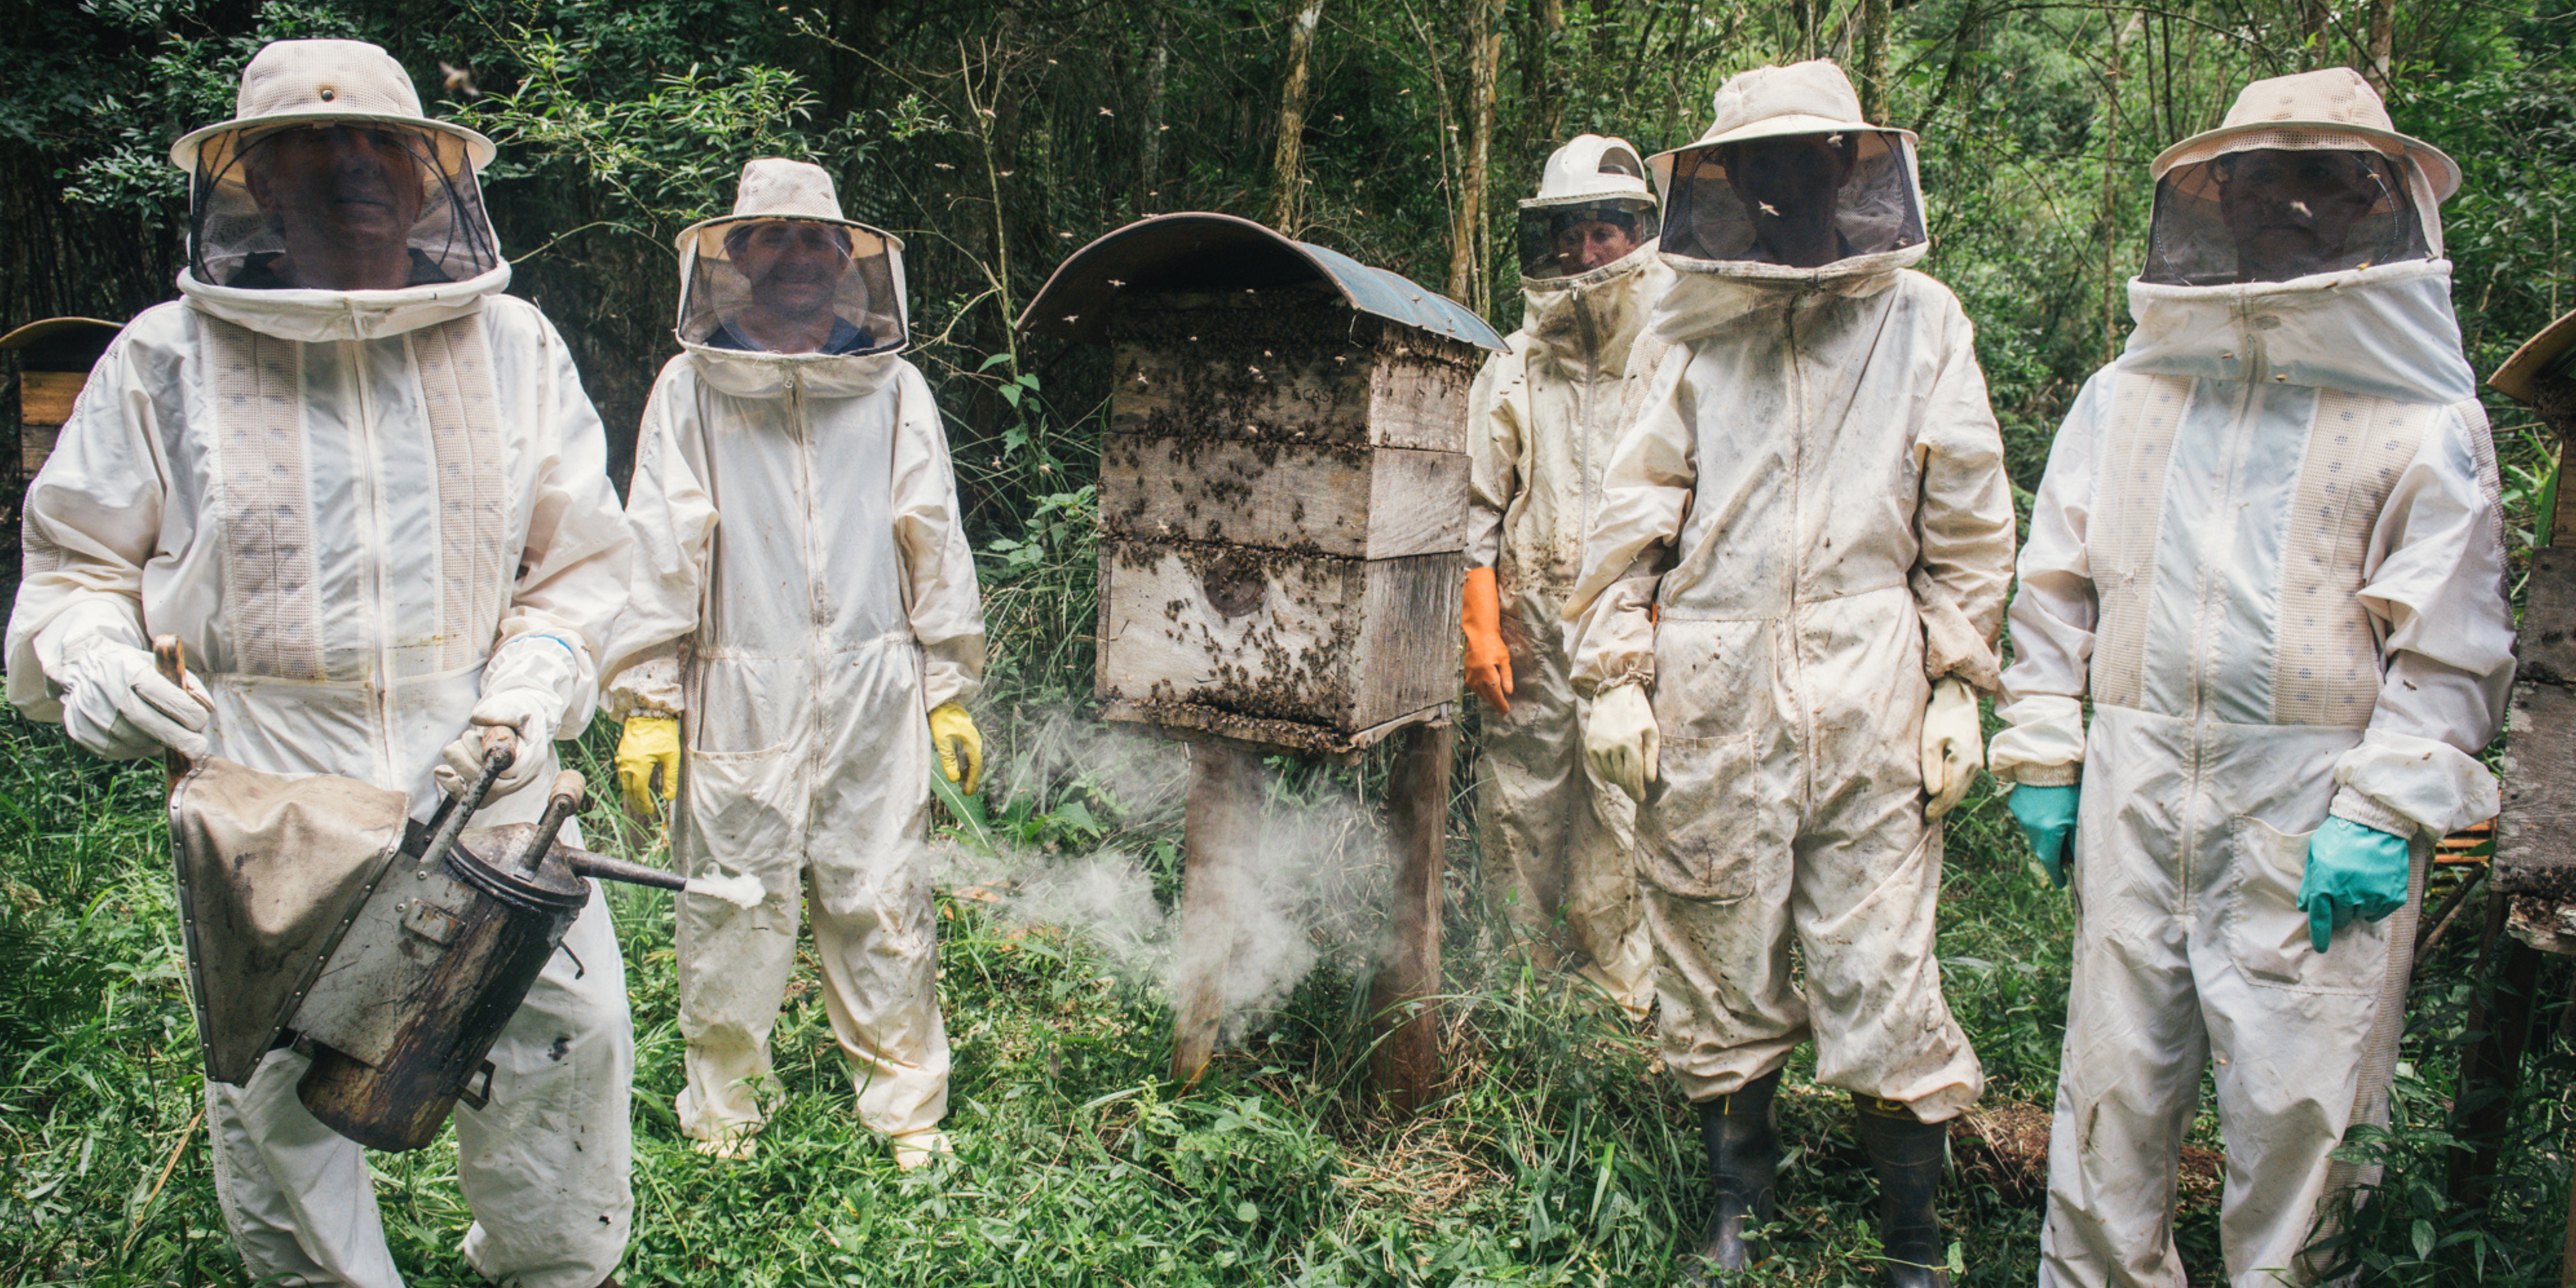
<point>2047,817</point>
<point>2352,870</point>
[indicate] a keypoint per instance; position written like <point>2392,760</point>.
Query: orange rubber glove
<point>1489,664</point>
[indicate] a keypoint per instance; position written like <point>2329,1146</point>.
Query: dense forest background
<point>996,138</point>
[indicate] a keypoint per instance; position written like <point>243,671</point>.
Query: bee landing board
<point>1283,500</point>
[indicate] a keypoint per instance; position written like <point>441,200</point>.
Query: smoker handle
<point>172,656</point>
<point>561,801</point>
<point>453,813</point>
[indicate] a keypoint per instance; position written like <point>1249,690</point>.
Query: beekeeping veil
<point>786,275</point>
<point>2304,176</point>
<point>328,150</point>
<point>1790,183</point>
<point>271,869</point>
<point>1591,183</point>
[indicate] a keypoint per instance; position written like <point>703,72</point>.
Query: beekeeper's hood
<point>1789,185</point>
<point>1593,214</point>
<point>330,206</point>
<point>786,292</point>
<point>2304,177</point>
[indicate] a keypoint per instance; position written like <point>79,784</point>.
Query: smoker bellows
<point>1283,490</point>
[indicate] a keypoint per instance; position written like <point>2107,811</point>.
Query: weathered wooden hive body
<point>54,358</point>
<point>1283,490</point>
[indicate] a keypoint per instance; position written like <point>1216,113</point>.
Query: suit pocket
<point>2267,935</point>
<point>1697,836</point>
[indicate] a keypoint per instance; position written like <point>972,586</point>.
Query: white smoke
<point>1313,886</point>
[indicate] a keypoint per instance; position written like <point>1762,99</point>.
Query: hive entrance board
<point>1283,511</point>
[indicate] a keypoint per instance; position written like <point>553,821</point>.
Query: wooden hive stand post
<point>1404,1056</point>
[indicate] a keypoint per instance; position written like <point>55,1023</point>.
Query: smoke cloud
<point>1306,882</point>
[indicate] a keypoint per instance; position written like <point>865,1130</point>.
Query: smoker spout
<point>608,869</point>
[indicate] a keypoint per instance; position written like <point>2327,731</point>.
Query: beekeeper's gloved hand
<point>2352,869</point>
<point>953,735</point>
<point>2047,817</point>
<point>648,764</point>
<point>1954,746</point>
<point>1619,739</point>
<point>1480,619</point>
<point>116,703</point>
<point>524,683</point>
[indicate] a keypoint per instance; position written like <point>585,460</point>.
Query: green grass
<point>1560,1155</point>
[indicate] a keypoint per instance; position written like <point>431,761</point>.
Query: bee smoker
<point>400,1020</point>
<point>390,952</point>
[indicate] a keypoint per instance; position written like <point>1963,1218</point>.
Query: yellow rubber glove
<point>1480,619</point>
<point>648,764</point>
<point>952,732</point>
<point>1954,746</point>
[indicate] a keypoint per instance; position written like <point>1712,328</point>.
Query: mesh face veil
<point>342,205</point>
<point>771,285</point>
<point>2274,205</point>
<point>1567,240</point>
<point>1798,200</point>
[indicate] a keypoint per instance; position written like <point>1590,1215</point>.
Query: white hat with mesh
<point>2330,109</point>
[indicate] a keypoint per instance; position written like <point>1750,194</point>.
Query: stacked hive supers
<point>1283,498</point>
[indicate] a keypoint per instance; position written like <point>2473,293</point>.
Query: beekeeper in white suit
<point>2268,550</point>
<point>804,626</point>
<point>1543,416</point>
<point>1789,595</point>
<point>365,490</point>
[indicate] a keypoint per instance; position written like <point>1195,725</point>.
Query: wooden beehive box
<point>1283,503</point>
<point>54,358</point>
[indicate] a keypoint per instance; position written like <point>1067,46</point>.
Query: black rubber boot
<point>1743,1163</point>
<point>1908,1154</point>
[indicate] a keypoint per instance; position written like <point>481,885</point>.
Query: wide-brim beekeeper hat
<point>1591,168</point>
<point>870,293</point>
<point>324,82</point>
<point>1813,97</point>
<point>2330,109</point>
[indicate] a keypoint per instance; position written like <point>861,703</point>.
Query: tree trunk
<point>1542,27</point>
<point>1873,61</point>
<point>2111,178</point>
<point>2314,27</point>
<point>1287,165</point>
<point>2383,36</point>
<point>1467,238</point>
<point>1149,165</point>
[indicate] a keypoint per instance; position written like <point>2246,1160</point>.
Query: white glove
<point>116,703</point>
<point>524,683</point>
<point>529,714</point>
<point>1954,746</point>
<point>1619,739</point>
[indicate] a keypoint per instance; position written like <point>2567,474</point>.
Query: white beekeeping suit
<point>1804,537</point>
<point>365,490</point>
<point>804,601</point>
<point>1542,419</point>
<point>2268,551</point>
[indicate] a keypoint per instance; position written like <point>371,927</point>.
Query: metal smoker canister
<point>448,954</point>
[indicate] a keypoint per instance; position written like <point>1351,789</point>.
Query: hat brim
<point>2536,358</point>
<point>1639,193</point>
<point>1774,127</point>
<point>2437,165</point>
<point>184,153</point>
<point>694,231</point>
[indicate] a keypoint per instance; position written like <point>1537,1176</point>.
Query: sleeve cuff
<point>2044,745</point>
<point>2353,807</point>
<point>2406,785</point>
<point>650,686</point>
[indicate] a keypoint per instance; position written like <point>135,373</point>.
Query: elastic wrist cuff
<point>2354,807</point>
